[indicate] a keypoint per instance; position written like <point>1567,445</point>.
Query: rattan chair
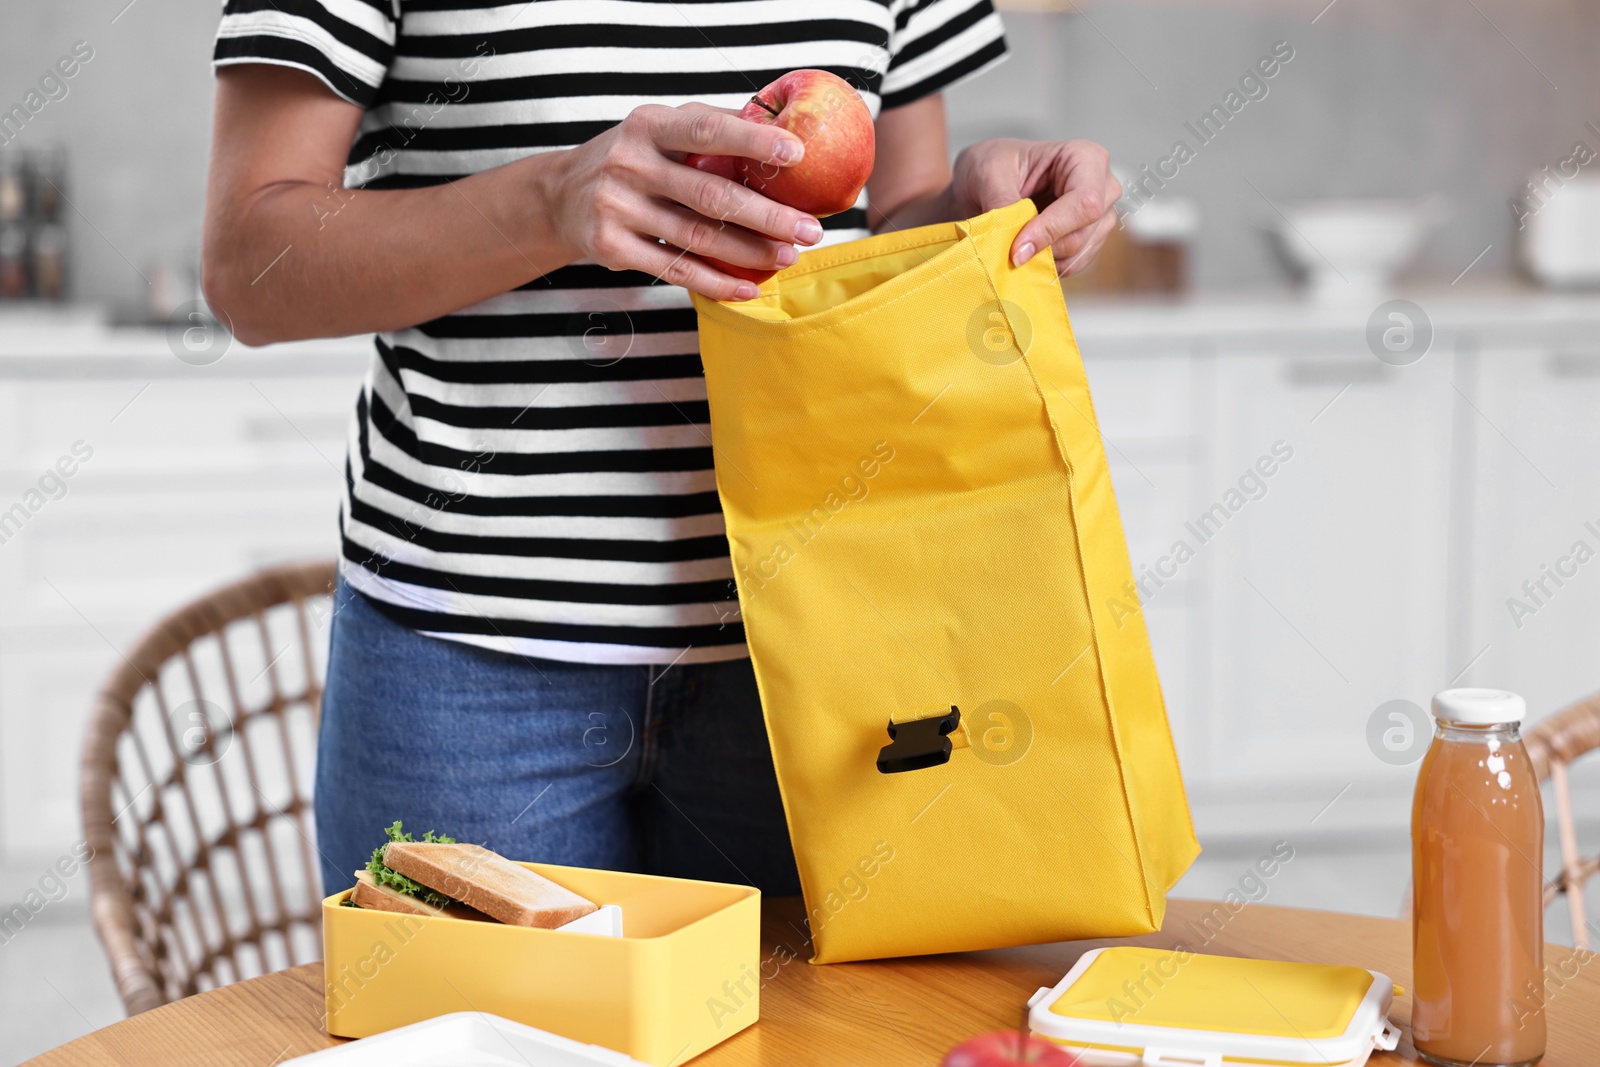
<point>1552,746</point>
<point>196,790</point>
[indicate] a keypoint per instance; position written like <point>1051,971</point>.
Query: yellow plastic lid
<point>1154,1006</point>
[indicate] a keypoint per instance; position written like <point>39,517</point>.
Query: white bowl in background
<point>1559,234</point>
<point>1350,250</point>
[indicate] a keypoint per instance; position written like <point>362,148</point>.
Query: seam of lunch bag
<point>1058,310</point>
<point>1136,825</point>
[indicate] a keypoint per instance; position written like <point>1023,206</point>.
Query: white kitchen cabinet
<point>1313,593</point>
<point>197,476</point>
<point>1377,564</point>
<point>1327,593</point>
<point>1142,404</point>
<point>1533,434</point>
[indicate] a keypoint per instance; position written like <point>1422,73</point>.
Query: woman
<point>536,643</point>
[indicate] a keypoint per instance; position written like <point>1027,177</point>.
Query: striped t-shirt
<point>534,473</point>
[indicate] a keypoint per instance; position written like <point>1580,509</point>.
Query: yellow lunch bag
<point>964,713</point>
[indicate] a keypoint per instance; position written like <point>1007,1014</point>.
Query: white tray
<point>465,1039</point>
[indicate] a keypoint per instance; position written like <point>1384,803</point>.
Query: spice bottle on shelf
<point>13,261</point>
<point>48,261</point>
<point>48,167</point>
<point>1477,926</point>
<point>13,188</point>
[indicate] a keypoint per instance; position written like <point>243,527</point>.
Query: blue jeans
<point>664,770</point>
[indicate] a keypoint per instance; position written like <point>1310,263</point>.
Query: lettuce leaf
<point>382,874</point>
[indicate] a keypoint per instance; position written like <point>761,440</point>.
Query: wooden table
<point>886,1012</point>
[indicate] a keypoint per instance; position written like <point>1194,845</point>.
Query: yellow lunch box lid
<point>1169,1007</point>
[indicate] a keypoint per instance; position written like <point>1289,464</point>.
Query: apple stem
<point>1022,1036</point>
<point>768,107</point>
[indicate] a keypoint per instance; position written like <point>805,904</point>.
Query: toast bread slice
<point>489,882</point>
<point>369,894</point>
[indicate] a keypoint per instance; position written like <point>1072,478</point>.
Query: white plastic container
<point>1123,1006</point>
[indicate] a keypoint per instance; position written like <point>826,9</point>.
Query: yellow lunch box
<point>1126,1006</point>
<point>684,975</point>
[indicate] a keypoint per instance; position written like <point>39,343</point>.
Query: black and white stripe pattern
<point>534,474</point>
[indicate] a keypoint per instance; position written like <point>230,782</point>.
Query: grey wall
<point>1380,100</point>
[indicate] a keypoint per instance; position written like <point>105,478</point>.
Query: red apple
<point>722,166</point>
<point>833,122</point>
<point>1004,1048</point>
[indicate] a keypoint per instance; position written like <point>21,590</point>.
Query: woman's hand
<point>1071,182</point>
<point>613,196</point>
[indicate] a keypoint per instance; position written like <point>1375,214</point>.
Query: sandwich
<point>369,894</point>
<point>441,877</point>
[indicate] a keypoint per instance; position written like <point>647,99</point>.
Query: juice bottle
<point>1477,924</point>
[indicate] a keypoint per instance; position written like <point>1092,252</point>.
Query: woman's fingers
<point>719,239</point>
<point>1069,244</point>
<point>630,191</point>
<point>711,131</point>
<point>1085,190</point>
<point>677,266</point>
<point>1077,251</point>
<point>1077,210</point>
<point>632,241</point>
<point>717,198</point>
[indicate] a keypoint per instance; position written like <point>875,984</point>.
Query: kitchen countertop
<point>72,341</point>
<point>1500,315</point>
<point>43,341</point>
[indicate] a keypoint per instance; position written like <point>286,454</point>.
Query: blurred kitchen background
<point>1430,457</point>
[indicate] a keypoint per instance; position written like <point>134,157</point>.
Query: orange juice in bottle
<point>1477,922</point>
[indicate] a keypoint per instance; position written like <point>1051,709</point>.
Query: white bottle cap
<point>1478,707</point>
